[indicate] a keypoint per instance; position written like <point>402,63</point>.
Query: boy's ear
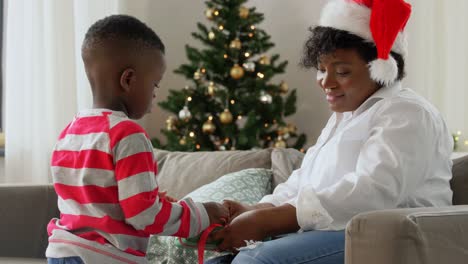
<point>127,78</point>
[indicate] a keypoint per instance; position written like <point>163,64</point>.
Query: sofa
<point>419,235</point>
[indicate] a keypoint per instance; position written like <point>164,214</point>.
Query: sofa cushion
<point>459,182</point>
<point>283,162</point>
<point>182,172</point>
<point>246,186</point>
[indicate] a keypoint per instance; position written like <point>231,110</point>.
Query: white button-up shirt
<point>391,152</point>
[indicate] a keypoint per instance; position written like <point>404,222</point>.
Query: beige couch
<point>422,235</point>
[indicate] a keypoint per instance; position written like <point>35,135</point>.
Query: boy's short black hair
<point>122,27</point>
<point>325,40</point>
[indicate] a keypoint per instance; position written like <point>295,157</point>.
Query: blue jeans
<point>67,260</point>
<point>313,247</point>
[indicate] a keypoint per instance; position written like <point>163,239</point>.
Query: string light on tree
<point>183,141</point>
<point>210,13</point>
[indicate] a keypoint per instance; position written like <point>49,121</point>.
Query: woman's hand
<point>236,208</point>
<point>265,220</point>
<point>217,213</point>
<point>247,226</point>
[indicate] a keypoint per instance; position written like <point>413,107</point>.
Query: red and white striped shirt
<point>104,174</point>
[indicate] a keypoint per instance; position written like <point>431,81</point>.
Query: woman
<point>384,146</point>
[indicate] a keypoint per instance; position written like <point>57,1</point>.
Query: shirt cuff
<point>311,215</point>
<point>204,218</point>
<point>270,199</point>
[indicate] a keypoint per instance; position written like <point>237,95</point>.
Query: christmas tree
<point>231,102</point>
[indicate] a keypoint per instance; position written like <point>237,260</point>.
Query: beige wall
<point>287,23</point>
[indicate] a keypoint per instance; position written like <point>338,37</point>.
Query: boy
<point>103,166</point>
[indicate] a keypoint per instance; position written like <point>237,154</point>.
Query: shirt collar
<point>99,111</point>
<point>382,93</point>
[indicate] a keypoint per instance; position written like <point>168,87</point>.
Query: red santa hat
<point>381,22</point>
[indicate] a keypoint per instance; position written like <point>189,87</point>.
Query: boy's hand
<point>163,195</point>
<point>217,213</point>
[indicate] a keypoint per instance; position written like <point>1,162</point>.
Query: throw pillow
<point>246,186</point>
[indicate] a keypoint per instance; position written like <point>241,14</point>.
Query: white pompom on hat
<point>381,22</point>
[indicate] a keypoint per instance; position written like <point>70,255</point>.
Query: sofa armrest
<point>404,236</point>
<point>25,211</point>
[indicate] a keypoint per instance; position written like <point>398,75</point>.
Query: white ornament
<point>249,66</point>
<point>265,98</point>
<point>185,114</point>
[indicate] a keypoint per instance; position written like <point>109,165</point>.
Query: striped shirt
<point>104,173</point>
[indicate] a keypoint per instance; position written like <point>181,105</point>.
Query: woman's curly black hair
<point>325,40</point>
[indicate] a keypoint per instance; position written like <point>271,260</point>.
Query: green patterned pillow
<point>246,186</point>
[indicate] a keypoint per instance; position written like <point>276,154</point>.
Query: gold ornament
<point>197,75</point>
<point>244,12</point>
<point>264,60</point>
<point>280,143</point>
<point>292,128</point>
<point>208,127</point>
<point>183,141</point>
<point>282,130</point>
<point>211,89</point>
<point>225,117</point>
<point>209,13</point>
<point>284,88</point>
<point>235,44</point>
<point>211,35</point>
<point>170,123</point>
<point>237,72</point>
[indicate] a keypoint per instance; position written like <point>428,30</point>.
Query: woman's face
<point>344,77</point>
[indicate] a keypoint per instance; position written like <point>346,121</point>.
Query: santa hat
<point>381,22</point>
